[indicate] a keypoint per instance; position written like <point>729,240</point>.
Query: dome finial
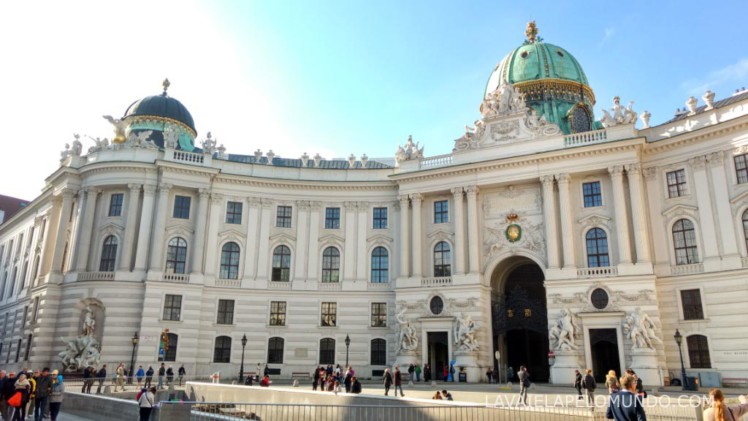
<point>166,85</point>
<point>531,32</point>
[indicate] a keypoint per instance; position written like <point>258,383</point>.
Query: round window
<point>436,305</point>
<point>524,54</point>
<point>599,298</point>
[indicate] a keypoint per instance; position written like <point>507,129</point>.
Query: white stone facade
<point>496,203</point>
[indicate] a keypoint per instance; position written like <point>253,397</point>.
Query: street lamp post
<point>241,368</point>
<point>678,340</point>
<point>135,340</point>
<point>347,345</point>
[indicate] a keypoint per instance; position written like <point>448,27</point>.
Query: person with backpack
<point>589,385</point>
<point>148,377</point>
<point>146,402</point>
<point>524,383</point>
<point>21,397</point>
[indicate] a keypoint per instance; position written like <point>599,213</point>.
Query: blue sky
<point>334,77</point>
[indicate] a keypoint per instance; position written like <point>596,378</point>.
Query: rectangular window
<point>441,211</point>
<point>234,212</point>
<point>115,204</point>
<point>676,183</point>
<point>277,313</point>
<point>182,207</point>
<point>225,312</point>
<point>329,314</point>
<point>741,168</point>
<point>18,349</point>
<point>378,314</point>
<point>691,302</point>
<point>28,346</point>
<point>332,218</point>
<point>283,217</point>
<point>380,218</point>
<point>35,313</point>
<point>592,194</point>
<point>172,307</point>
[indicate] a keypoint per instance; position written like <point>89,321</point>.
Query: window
<point>28,346</point>
<point>275,350</point>
<point>436,305</point>
<point>12,288</point>
<point>741,168</point>
<point>380,218</point>
<point>331,265</point>
<point>172,307</point>
<point>176,256</point>
<point>35,312</point>
<point>18,349</point>
<point>684,239</point>
<point>115,204</point>
<point>2,286</point>
<point>676,183</point>
<point>698,351</point>
<point>597,248</point>
<point>691,302</point>
<point>327,351</point>
<point>171,347</point>
<point>277,313</point>
<point>222,350</point>
<point>592,193</point>
<point>25,280</point>
<point>281,264</point>
<point>380,265</point>
<point>442,259</point>
<point>182,207</point>
<point>283,217</point>
<point>441,211</point>
<point>108,254</point>
<point>225,312</point>
<point>745,228</point>
<point>234,213</point>
<point>230,261</point>
<point>332,218</point>
<point>329,314</point>
<point>378,314</point>
<point>378,352</point>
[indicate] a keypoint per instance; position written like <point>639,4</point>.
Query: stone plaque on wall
<point>300,353</point>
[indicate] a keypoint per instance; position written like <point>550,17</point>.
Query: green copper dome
<point>552,80</point>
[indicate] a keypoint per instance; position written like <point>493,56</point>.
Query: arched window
<point>230,261</point>
<point>176,256</point>
<point>378,352</point>
<point>442,259</point>
<point>35,273</point>
<point>380,265</point>
<point>331,265</point>
<point>745,228</point>
<point>275,350</point>
<point>684,240</point>
<point>222,350</point>
<point>171,349</point>
<point>327,351</point>
<point>281,264</point>
<point>108,254</point>
<point>698,351</point>
<point>12,289</point>
<point>2,286</point>
<point>597,248</point>
<point>24,272</point>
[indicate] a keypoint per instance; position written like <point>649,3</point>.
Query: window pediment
<point>594,220</point>
<point>380,239</point>
<point>681,210</point>
<point>282,236</point>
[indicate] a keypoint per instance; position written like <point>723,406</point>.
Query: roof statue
<point>166,85</point>
<point>531,32</point>
<point>119,128</point>
<point>620,115</point>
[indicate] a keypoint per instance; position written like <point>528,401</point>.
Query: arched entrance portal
<point>520,318</point>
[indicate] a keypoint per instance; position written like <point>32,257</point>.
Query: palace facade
<point>546,238</point>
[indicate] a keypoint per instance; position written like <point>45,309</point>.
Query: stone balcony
<point>599,272</point>
<point>179,278</point>
<point>96,276</point>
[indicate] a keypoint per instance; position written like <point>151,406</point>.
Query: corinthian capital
<point>546,180</point>
<point>716,158</point>
<point>563,178</point>
<point>457,192</point>
<point>616,170</point>
<point>633,168</point>
<point>697,162</point>
<point>471,190</point>
<point>416,197</point>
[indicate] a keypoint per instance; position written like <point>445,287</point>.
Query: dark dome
<point>161,106</point>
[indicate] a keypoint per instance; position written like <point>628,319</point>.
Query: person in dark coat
<point>148,377</point>
<point>100,376</point>
<point>524,383</point>
<point>578,383</point>
<point>625,405</point>
<point>348,381</point>
<point>589,384</point>
<point>355,386</point>
<point>387,381</point>
<point>41,398</point>
<point>169,376</point>
<point>398,382</point>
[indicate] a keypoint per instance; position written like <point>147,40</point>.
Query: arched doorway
<point>520,318</point>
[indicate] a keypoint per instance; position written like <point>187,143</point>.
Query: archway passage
<point>438,353</point>
<point>604,350</point>
<point>520,319</point>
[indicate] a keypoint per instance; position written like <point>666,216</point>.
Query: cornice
<point>697,135</point>
<point>306,184</point>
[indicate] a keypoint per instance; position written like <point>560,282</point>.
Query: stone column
<point>253,221</point>
<point>128,243</point>
<point>78,216</point>
<point>722,197</point>
<point>162,208</point>
<point>62,231</point>
<point>363,211</point>
<point>621,215</point>
<point>314,258</point>
<point>457,194</point>
<point>213,253</point>
<point>473,232</point>
<point>86,230</point>
<point>704,201</point>
<point>638,214</point>
<point>144,233</point>
<point>404,237</point>
<point>263,263</point>
<point>201,222</point>
<point>416,200</point>
<point>567,220</point>
<point>302,230</point>
<point>350,240</point>
<point>549,217</point>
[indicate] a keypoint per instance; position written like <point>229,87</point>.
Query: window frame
<point>741,169</point>
<point>595,197</point>
<point>441,211</point>
<point>234,211</point>
<point>332,218</point>
<point>225,315</point>
<point>108,259</point>
<point>597,243</point>
<point>171,352</point>
<point>284,216</point>
<point>230,259</point>
<point>280,273</point>
<point>222,352</point>
<point>329,309</point>
<point>378,314</point>
<point>181,208</point>
<point>380,348</point>
<point>744,219</point>
<point>330,265</point>
<point>275,354</point>
<point>172,309</point>
<point>115,205</point>
<point>691,314</point>
<point>380,216</point>
<point>443,269</point>
<point>689,251</point>
<point>327,349</point>
<point>380,266</point>
<point>679,185</point>
<point>699,356</point>
<point>278,317</point>
<point>173,254</point>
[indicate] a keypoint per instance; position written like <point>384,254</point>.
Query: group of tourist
<point>120,375</point>
<point>40,392</point>
<point>330,379</point>
<point>443,395</point>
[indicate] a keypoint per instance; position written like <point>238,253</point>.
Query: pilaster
<point>130,228</point>
<point>86,230</point>
<point>404,236</point>
<point>201,221</point>
<point>459,255</point>
<point>549,213</point>
<point>567,223</point>
<point>638,214</point>
<point>416,199</point>
<point>474,250</point>
<point>621,215</point>
<point>144,233</point>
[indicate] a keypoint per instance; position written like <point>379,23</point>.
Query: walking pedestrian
<point>169,376</point>
<point>120,377</point>
<point>721,412</point>
<point>348,380</point>
<point>139,375</point>
<point>56,395</point>
<point>589,385</point>
<point>23,387</point>
<point>387,381</point>
<point>161,374</point>
<point>146,402</point>
<point>418,373</point>
<point>411,373</point>
<point>489,374</point>
<point>398,382</point>
<point>524,383</point>
<point>148,377</point>
<point>101,376</point>
<point>182,372</point>
<point>578,383</point>
<point>427,372</point>
<point>624,405</point>
<point>611,382</point>
<point>43,389</point>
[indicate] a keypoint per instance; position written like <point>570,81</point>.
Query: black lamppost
<point>678,340</point>
<point>347,345</point>
<point>241,369</point>
<point>135,340</point>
